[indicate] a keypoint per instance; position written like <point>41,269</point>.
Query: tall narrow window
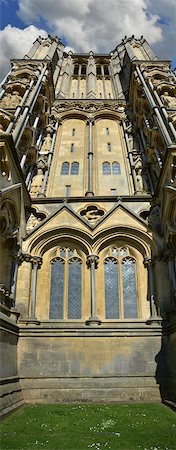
<point>66,285</point>
<point>74,289</point>
<point>120,284</point>
<point>73,131</point>
<point>106,168</point>
<point>129,288</point>
<point>113,191</point>
<point>74,168</point>
<point>72,147</point>
<point>109,147</point>
<point>73,95</point>
<point>111,289</point>
<point>82,95</point>
<point>57,289</point>
<point>109,95</point>
<point>65,168</point>
<point>107,131</point>
<point>115,168</point>
<point>68,190</point>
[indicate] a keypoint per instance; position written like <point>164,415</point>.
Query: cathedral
<point>88,226</point>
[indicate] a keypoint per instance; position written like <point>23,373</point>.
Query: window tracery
<point>66,284</point>
<point>120,284</point>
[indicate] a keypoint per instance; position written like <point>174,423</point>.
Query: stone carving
<point>37,182</point>
<point>11,100</point>
<point>8,225</point>
<point>46,146</point>
<point>4,161</point>
<point>168,100</point>
<point>92,213</point>
<point>32,222</point>
<point>154,217</point>
<point>90,106</point>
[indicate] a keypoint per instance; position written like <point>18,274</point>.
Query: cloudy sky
<point>85,25</point>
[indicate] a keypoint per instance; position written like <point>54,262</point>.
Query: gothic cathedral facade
<point>88,226</point>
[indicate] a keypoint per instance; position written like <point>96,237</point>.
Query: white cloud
<point>94,24</point>
<point>15,43</point>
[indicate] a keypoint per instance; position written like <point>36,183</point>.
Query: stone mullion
<point>120,290</point>
<point>103,79</point>
<point>92,264</point>
<point>65,296</point>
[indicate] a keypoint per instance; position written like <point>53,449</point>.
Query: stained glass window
<point>74,168</point>
<point>120,284</point>
<point>115,168</point>
<point>106,168</point>
<point>57,289</point>
<point>129,288</point>
<point>65,168</point>
<point>66,285</point>
<point>111,289</point>
<point>74,289</point>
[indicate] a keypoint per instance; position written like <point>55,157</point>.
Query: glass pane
<point>62,252</point>
<point>129,288</point>
<point>123,251</point>
<point>111,289</point>
<point>57,290</point>
<point>75,168</point>
<point>114,251</point>
<point>74,289</point>
<point>115,168</point>
<point>65,168</point>
<point>106,168</point>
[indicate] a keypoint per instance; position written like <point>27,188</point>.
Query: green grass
<point>96,427</point>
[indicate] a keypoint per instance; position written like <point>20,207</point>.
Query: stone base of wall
<point>10,395</point>
<point>110,389</point>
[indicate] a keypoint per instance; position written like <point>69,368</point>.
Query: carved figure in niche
<point>8,225</point>
<point>11,100</point>
<point>4,162</point>
<point>168,101</point>
<point>32,222</point>
<point>45,148</point>
<point>37,182</point>
<point>92,213</point>
<point>154,217</point>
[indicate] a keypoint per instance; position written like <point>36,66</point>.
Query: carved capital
<point>148,261</point>
<point>36,261</point>
<point>92,259</point>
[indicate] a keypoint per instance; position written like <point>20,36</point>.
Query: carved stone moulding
<point>92,213</point>
<point>88,105</point>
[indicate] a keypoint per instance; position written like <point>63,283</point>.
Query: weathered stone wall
<point>10,394</point>
<point>104,364</point>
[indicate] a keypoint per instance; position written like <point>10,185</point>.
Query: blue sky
<point>87,24</point>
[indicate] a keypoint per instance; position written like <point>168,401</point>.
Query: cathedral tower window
<point>65,168</point>
<point>109,147</point>
<point>72,147</point>
<point>115,168</point>
<point>73,132</point>
<point>106,168</point>
<point>68,190</point>
<point>74,168</point>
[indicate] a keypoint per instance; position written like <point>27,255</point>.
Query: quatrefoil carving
<point>92,213</point>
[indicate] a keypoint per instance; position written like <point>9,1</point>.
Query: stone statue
<point>32,222</point>
<point>46,146</point>
<point>168,101</point>
<point>37,183</point>
<point>11,100</point>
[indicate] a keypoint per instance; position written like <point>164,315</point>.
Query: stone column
<point>89,192</point>
<point>91,77</point>
<point>172,275</point>
<point>17,261</point>
<point>153,310</point>
<point>92,264</point>
<point>36,264</point>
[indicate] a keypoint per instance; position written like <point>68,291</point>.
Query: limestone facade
<point>88,226</point>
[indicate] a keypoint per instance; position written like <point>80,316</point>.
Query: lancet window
<point>111,169</point>
<point>70,169</point>
<point>66,284</point>
<point>120,284</point>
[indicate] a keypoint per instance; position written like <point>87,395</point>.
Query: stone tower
<point>88,225</point>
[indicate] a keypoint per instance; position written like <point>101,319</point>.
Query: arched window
<point>120,284</point>
<point>66,285</point>
<point>106,168</point>
<point>65,168</point>
<point>74,168</point>
<point>115,168</point>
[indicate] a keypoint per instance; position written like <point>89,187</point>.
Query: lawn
<point>97,427</point>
